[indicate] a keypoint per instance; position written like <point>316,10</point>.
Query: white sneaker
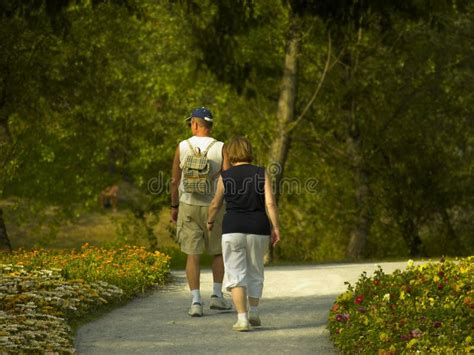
<point>195,310</point>
<point>219,303</point>
<point>242,325</point>
<point>254,319</point>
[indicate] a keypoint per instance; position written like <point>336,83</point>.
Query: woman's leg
<point>235,262</point>
<point>257,246</point>
<point>239,297</point>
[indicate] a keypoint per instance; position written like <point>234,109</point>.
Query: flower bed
<point>43,291</point>
<point>427,308</point>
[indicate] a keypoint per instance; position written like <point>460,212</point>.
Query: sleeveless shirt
<point>214,157</point>
<point>244,194</point>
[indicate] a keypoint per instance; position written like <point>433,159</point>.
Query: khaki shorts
<point>191,230</point>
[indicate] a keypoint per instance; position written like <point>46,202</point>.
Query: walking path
<point>293,310</point>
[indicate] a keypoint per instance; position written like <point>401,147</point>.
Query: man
<point>189,209</point>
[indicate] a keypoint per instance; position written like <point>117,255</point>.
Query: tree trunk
<point>286,110</point>
<point>5,139</point>
<point>4,240</point>
<point>412,238</point>
<point>360,231</point>
<point>453,237</point>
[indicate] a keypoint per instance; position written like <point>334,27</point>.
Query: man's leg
<point>253,302</point>
<point>193,272</point>
<point>218,269</point>
<point>190,236</point>
<point>214,247</point>
<point>217,275</point>
<point>193,276</point>
<point>217,298</point>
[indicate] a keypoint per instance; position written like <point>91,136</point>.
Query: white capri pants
<point>243,261</point>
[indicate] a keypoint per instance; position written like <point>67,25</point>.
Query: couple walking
<point>204,174</point>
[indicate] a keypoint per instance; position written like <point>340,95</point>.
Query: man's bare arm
<point>175,180</point>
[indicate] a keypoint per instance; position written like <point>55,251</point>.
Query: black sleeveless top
<point>244,193</point>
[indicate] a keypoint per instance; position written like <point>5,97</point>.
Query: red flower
<point>376,282</point>
<point>359,299</point>
<point>342,317</point>
<point>335,307</point>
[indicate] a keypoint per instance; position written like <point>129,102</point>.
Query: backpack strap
<point>192,148</point>
<point>209,147</point>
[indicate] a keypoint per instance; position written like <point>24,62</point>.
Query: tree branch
<point>318,88</point>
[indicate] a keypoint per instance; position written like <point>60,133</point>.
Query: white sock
<point>217,289</point>
<point>242,316</point>
<point>196,296</point>
<point>253,309</point>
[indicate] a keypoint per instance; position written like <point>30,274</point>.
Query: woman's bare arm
<point>272,210</point>
<point>216,203</point>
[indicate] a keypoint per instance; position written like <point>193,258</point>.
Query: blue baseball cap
<point>201,112</point>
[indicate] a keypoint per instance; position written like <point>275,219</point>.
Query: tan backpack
<point>197,175</point>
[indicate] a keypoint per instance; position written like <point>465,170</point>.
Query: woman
<point>246,228</point>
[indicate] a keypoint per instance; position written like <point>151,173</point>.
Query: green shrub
<point>426,308</point>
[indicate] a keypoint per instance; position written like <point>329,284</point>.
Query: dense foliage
<point>43,293</point>
<point>427,308</point>
<point>95,92</point>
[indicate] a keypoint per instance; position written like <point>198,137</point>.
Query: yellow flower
<point>468,340</point>
<point>422,267</point>
<point>402,295</point>
<point>383,336</point>
<point>410,263</point>
<point>346,296</point>
<point>412,343</point>
<point>386,297</point>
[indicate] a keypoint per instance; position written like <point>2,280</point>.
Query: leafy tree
<point>81,109</point>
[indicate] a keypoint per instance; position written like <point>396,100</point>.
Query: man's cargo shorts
<point>192,233</point>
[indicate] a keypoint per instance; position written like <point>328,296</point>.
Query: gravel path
<point>293,310</point>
